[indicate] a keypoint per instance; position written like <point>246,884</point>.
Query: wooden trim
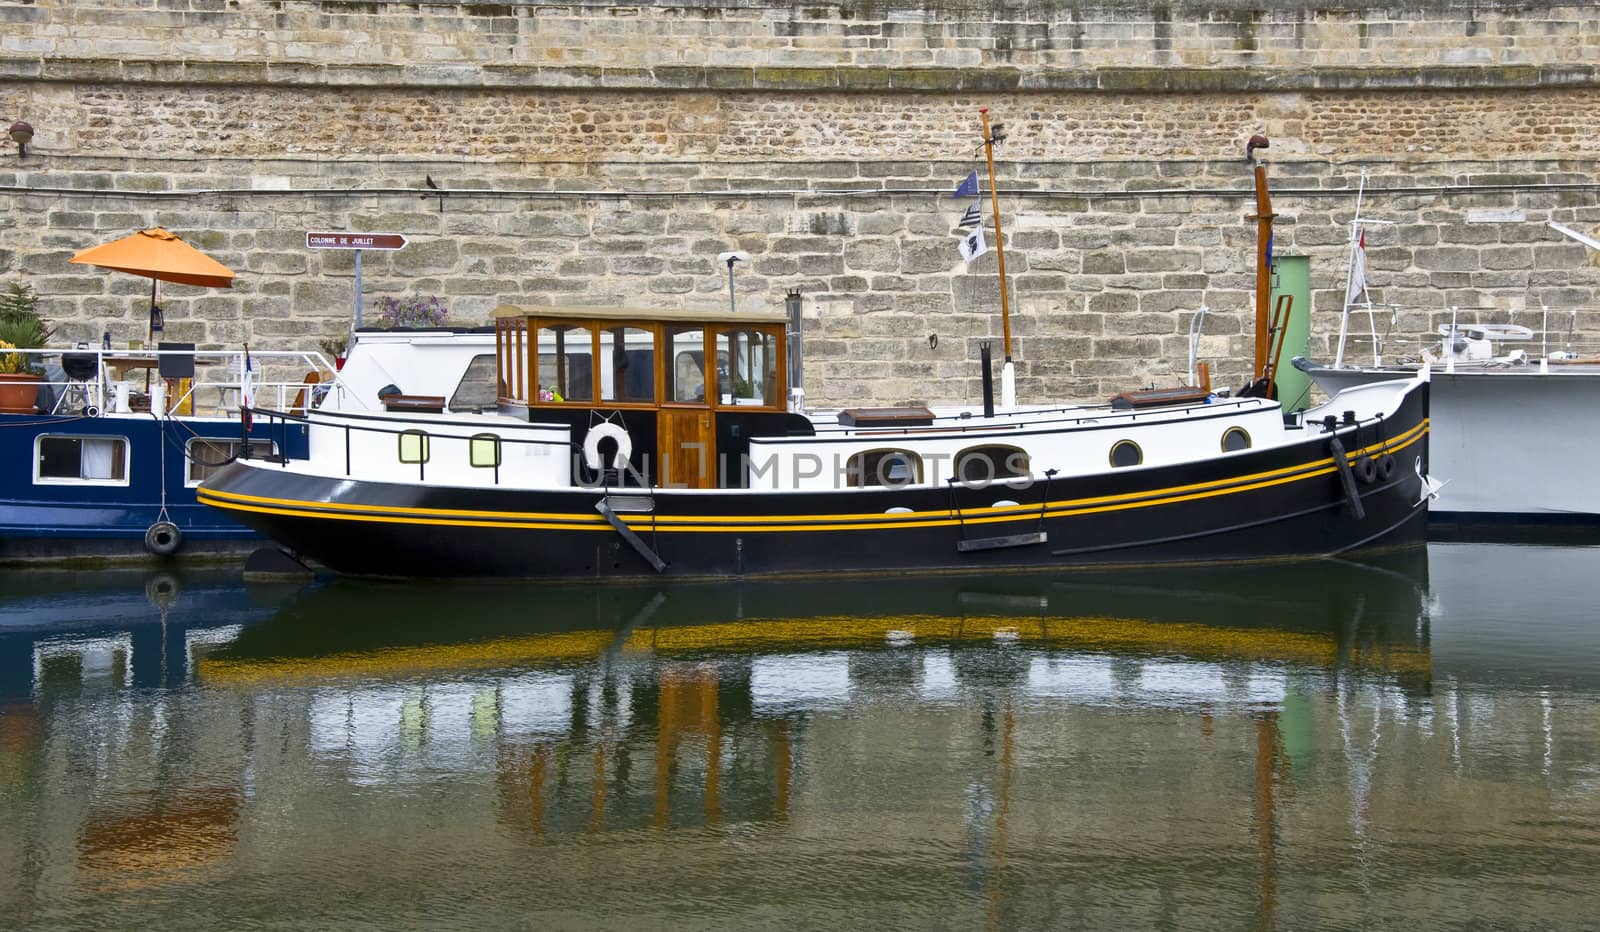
<point>653,315</point>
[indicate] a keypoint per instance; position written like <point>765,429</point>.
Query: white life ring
<point>591,445</point>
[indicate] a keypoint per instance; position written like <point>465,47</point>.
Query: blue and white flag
<point>968,186</point>
<point>973,245</point>
<point>971,218</point>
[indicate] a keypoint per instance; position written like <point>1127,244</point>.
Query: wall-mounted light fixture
<point>730,258</point>
<point>21,134</point>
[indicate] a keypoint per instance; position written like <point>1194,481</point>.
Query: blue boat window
<point>884,467</point>
<point>483,450</point>
<point>1126,453</point>
<point>413,446</point>
<point>1235,438</point>
<point>101,460</point>
<point>207,455</point>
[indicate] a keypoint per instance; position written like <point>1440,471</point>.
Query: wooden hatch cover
<point>1157,397</point>
<point>907,416</point>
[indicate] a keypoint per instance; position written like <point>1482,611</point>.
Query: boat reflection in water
<point>735,671</point>
<point>85,629</point>
<point>1195,744</point>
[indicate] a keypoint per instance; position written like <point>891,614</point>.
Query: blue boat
<point>103,461</point>
<point>102,467</point>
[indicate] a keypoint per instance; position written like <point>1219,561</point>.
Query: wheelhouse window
<point>414,446</point>
<point>208,455</point>
<point>98,460</point>
<point>747,368</point>
<point>477,389</point>
<point>981,465</point>
<point>1126,453</point>
<point>627,365</point>
<point>686,370</point>
<point>566,363</point>
<point>883,468</point>
<point>510,343</point>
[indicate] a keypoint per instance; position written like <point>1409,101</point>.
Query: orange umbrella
<point>161,257</point>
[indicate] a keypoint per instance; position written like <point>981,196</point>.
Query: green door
<point>1292,277</point>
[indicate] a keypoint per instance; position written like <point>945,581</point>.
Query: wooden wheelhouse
<point>702,381</point>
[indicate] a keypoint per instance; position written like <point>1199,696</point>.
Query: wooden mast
<point>999,240</point>
<point>1263,218</point>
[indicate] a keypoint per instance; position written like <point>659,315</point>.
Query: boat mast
<point>1263,218</point>
<point>1349,271</point>
<point>1008,378</point>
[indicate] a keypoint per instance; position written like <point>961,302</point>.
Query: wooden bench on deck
<point>420,404</point>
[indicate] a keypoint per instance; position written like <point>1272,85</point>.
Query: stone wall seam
<point>669,79</point>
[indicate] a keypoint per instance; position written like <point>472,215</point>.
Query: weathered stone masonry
<point>605,154</point>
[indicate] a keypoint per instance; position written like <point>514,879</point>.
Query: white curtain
<point>99,459</point>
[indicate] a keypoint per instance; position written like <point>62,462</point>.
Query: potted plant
<point>20,328</point>
<point>335,348</point>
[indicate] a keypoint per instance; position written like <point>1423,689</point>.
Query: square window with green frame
<point>483,451</point>
<point>414,446</point>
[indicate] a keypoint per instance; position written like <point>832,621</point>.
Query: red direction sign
<point>355,241</point>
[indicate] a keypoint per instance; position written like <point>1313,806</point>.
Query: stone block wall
<point>605,155</point>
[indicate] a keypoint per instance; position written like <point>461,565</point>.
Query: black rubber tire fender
<point>163,538</point>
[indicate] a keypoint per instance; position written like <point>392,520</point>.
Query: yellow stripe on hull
<point>779,523</point>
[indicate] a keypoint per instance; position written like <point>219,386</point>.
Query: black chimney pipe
<point>988,379</point>
<point>795,308</point>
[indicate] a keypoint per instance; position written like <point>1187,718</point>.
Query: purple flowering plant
<point>412,312</point>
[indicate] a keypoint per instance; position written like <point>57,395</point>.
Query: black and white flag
<point>971,218</point>
<point>972,245</point>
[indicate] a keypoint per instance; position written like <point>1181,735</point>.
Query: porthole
<point>413,446</point>
<point>890,468</point>
<point>979,466</point>
<point>1126,453</point>
<point>1235,438</point>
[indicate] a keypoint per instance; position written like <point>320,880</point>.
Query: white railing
<point>116,381</point>
<point>1479,337</point>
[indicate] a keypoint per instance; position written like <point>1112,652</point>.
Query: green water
<point>1311,746</point>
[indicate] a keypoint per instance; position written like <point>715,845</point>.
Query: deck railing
<point>1390,334</point>
<point>93,380</point>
